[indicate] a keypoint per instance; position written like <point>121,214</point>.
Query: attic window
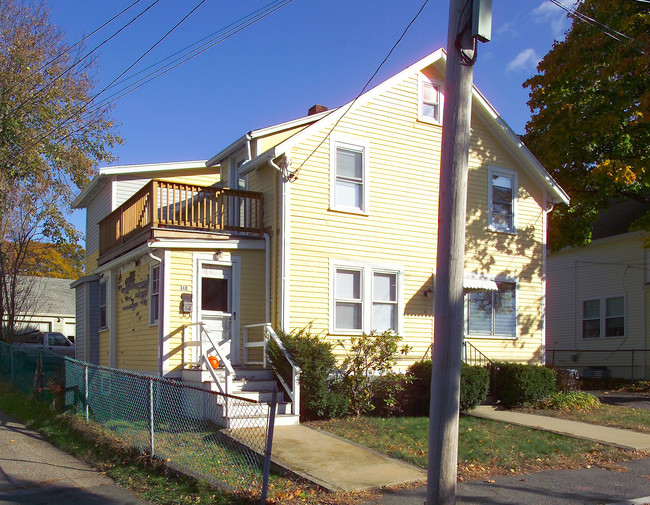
<point>431,100</point>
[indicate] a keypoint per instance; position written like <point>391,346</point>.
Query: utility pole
<point>467,24</point>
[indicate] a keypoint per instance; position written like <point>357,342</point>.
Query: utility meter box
<point>186,303</point>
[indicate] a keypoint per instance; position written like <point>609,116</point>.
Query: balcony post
<point>153,202</point>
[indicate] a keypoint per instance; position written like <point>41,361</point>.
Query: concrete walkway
<point>624,439</point>
<point>33,472</point>
<point>337,464</point>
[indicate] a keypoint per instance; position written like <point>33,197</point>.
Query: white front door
<point>216,307</point>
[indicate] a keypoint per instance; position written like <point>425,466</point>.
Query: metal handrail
<point>474,356</point>
<point>226,387</point>
<point>293,391</point>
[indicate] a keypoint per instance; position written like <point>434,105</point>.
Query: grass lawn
<point>486,448</point>
<point>605,415</point>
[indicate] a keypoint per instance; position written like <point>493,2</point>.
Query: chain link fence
<point>184,425</point>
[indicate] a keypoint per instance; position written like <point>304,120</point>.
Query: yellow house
<point>328,220</point>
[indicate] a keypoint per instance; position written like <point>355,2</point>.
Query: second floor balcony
<point>163,208</point>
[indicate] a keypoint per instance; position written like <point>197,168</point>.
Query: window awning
<point>474,282</point>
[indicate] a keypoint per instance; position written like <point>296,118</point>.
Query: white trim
<point>166,311</point>
<point>424,79</point>
<point>285,255</point>
<point>602,316</point>
<point>355,145</point>
<point>152,167</point>
<point>118,262</point>
<point>199,259</point>
<point>367,271</point>
<point>246,244</point>
<point>505,172</point>
<point>544,264</point>
<point>152,267</point>
<point>110,315</point>
<point>498,279</point>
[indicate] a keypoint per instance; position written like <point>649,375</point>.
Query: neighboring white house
<point>598,300</point>
<point>50,305</point>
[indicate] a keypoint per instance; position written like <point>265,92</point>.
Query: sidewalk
<point>33,472</point>
<point>623,439</point>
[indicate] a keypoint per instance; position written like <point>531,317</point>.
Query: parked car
<point>29,346</point>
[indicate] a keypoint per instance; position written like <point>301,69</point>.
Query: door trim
<point>234,262</point>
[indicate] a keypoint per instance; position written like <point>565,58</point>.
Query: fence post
<point>632,368</point>
<point>151,429</point>
<point>86,395</point>
<point>269,445</point>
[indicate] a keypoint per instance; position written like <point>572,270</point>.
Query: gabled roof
<point>480,106</point>
<point>105,174</point>
<point>48,295</point>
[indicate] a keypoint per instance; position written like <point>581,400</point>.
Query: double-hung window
<point>603,317</point>
<point>349,163</point>
<point>492,313</point>
<point>431,100</point>
<point>154,294</point>
<point>502,199</point>
<point>366,298</point>
<point>103,321</point>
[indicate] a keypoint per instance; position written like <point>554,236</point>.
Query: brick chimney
<point>316,109</point>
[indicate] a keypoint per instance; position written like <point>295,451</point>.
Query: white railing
<point>225,387</point>
<point>293,389</point>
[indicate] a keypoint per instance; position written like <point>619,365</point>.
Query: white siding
<point>98,208</point>
<point>125,187</point>
<point>607,268</point>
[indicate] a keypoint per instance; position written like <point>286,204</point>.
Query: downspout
<point>282,299</point>
<point>161,315</point>
<point>548,207</point>
<point>267,281</point>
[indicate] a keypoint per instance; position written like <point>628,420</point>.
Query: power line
<point>231,30</point>
<point>82,109</point>
<point>610,32</point>
<point>294,175</point>
<point>53,81</point>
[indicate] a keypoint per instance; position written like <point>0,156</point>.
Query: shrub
<point>573,400</point>
<point>564,381</point>
<point>474,385</point>
<point>320,394</point>
<point>368,356</point>
<point>517,384</point>
<point>389,394</point>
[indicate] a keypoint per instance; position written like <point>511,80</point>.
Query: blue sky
<point>305,53</point>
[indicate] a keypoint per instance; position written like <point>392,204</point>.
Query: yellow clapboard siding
<point>400,228</point>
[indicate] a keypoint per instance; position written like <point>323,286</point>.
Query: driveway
<point>624,399</point>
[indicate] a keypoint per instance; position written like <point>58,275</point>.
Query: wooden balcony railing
<point>162,204</point>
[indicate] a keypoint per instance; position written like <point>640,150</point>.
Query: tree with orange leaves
<point>590,123</point>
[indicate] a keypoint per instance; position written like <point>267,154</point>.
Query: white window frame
<point>154,294</point>
<point>602,316</point>
<point>367,271</point>
<point>492,171</point>
<point>492,335</point>
<point>423,80</point>
<point>103,286</point>
<point>357,146</point>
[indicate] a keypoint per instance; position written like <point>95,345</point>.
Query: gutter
<point>284,295</point>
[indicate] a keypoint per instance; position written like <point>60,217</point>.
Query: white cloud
<point>555,16</point>
<point>525,60</point>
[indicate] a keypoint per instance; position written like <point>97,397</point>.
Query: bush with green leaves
<point>573,400</point>
<point>517,384</point>
<point>368,356</point>
<point>474,385</point>
<point>321,394</point>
